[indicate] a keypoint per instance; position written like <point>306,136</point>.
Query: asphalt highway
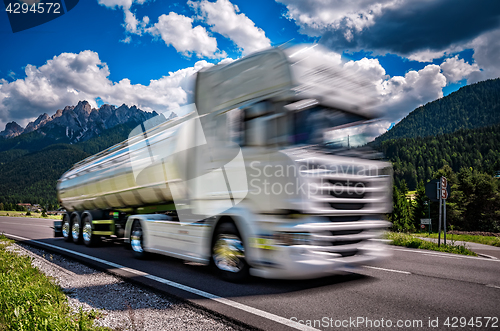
<point>414,289</point>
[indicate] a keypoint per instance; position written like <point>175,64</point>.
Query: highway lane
<point>412,285</point>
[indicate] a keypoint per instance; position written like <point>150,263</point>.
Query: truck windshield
<point>350,137</point>
<point>312,125</point>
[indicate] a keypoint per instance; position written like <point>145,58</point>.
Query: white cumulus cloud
<point>132,24</point>
<point>224,19</point>
<point>126,4</point>
<point>369,69</point>
<point>316,16</point>
<point>174,29</point>
<point>177,30</point>
<point>68,78</point>
<point>455,69</point>
<point>401,95</point>
<point>486,53</point>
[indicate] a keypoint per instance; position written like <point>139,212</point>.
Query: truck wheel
<point>76,232</point>
<point>66,228</point>
<point>137,240</point>
<point>88,238</point>
<point>228,254</point>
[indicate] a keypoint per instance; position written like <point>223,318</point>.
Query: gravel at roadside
<point>120,305</point>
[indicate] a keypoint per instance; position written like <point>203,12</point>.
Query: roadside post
<point>428,204</point>
<point>444,196</point>
<point>438,190</point>
<point>424,222</point>
<point>429,215</point>
<point>444,218</point>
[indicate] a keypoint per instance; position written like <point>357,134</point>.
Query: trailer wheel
<point>137,240</point>
<point>66,228</point>
<point>228,254</point>
<point>76,232</point>
<point>88,238</point>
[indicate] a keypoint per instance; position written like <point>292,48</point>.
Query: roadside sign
<point>444,182</point>
<point>422,226</point>
<point>444,191</point>
<point>431,190</point>
<point>425,221</point>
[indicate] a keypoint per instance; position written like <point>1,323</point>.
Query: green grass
<point>407,240</point>
<point>23,214</point>
<point>486,240</point>
<point>31,301</point>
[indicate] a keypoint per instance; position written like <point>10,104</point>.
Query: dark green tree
<point>419,209</point>
<point>401,214</point>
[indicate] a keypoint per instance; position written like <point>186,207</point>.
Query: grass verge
<point>407,240</point>
<point>486,240</point>
<point>31,301</point>
<point>33,215</point>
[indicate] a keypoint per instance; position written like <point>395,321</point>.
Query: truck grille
<point>349,194</point>
<point>353,202</point>
<point>338,191</point>
<point>344,218</point>
<point>345,232</point>
<point>342,243</point>
<point>347,206</point>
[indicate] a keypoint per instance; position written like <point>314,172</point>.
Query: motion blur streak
<point>266,174</point>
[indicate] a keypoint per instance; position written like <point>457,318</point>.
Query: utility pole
<point>444,219</point>
<point>440,209</point>
<point>438,190</point>
<point>428,204</point>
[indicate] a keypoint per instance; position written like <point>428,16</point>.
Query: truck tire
<point>89,239</point>
<point>228,253</point>
<point>76,231</point>
<point>66,228</point>
<point>137,240</point>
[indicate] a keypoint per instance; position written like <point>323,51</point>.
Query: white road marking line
<point>494,286</point>
<point>441,255</point>
<point>487,256</point>
<point>421,251</point>
<point>43,226</point>
<point>390,270</point>
<point>231,303</point>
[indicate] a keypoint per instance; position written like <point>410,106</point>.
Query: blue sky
<point>145,52</point>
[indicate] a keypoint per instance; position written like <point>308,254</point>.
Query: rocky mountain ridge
<point>80,122</point>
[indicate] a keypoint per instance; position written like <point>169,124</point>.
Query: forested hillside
<point>29,173</point>
<point>472,106</point>
<point>416,159</point>
<point>472,206</point>
<point>32,177</point>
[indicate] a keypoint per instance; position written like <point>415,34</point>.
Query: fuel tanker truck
<point>265,174</point>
